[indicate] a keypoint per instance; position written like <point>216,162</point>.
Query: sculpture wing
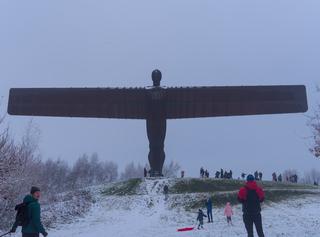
<point>127,103</point>
<point>197,102</point>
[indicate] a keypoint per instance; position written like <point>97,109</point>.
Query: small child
<point>200,219</point>
<point>228,213</point>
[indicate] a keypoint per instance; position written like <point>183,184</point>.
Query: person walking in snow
<point>217,175</point>
<point>209,209</point>
<point>251,196</point>
<point>274,177</point>
<point>228,213</point>
<point>221,173</point>
<point>145,172</point>
<point>256,175</point>
<point>182,174</point>
<point>200,219</point>
<point>201,172</point>
<point>166,192</point>
<point>206,174</point>
<point>33,227</point>
<point>243,175</point>
<point>230,174</point>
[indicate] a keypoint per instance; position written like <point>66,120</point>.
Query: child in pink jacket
<point>228,212</point>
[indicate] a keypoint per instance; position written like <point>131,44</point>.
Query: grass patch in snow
<point>129,187</point>
<point>220,185</point>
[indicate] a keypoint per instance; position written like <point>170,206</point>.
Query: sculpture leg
<point>156,130</point>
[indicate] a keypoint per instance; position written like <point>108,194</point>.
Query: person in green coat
<point>34,226</point>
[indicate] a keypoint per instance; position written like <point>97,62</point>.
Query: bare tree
<point>314,123</point>
<point>19,164</point>
<point>131,171</point>
<point>311,177</point>
<point>21,167</point>
<point>91,171</point>
<point>171,170</point>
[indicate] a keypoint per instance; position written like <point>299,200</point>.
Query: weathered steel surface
<point>171,103</point>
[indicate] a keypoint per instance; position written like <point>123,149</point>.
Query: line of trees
<point>18,164</point>
<point>58,176</point>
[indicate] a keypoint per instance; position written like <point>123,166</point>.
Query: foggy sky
<point>93,43</point>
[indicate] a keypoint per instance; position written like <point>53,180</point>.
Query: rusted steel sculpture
<point>156,104</point>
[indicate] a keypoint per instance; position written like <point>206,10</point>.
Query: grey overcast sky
<point>77,43</point>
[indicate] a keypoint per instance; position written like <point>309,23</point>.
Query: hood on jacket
<point>29,199</point>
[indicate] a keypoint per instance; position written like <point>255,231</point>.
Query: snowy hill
<point>138,208</point>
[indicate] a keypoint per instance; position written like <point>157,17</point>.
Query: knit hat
<point>250,177</point>
<point>34,189</point>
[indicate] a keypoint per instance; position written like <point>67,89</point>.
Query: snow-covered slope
<point>147,214</point>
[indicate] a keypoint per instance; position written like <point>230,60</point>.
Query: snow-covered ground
<point>150,215</point>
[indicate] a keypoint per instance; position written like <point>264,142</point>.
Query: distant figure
<point>225,176</point>
<point>166,192</point>
<point>206,174</point>
<point>274,177</point>
<point>221,173</point>
<point>201,172</point>
<point>230,174</point>
<point>200,219</point>
<point>260,176</point>
<point>145,172</point>
<point>217,175</point>
<point>182,173</point>
<point>33,226</point>
<point>280,178</point>
<point>228,213</point>
<point>256,175</point>
<point>251,195</point>
<point>243,175</point>
<point>209,209</point>
<point>315,183</point>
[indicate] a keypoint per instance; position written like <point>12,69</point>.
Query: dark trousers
<point>209,213</point>
<point>200,224</point>
<point>249,220</point>
<point>30,235</point>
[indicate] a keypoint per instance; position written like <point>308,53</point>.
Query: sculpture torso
<point>156,128</point>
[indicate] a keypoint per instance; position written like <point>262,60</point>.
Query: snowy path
<point>149,216</point>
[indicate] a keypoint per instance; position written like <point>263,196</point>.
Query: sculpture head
<point>156,77</point>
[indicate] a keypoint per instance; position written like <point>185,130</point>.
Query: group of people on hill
<point>278,178</point>
<point>218,175</point>
<point>292,178</point>
<point>204,173</point>
<point>257,175</point>
<point>250,196</point>
<point>223,174</point>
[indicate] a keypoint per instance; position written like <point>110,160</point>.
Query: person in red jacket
<point>251,196</point>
